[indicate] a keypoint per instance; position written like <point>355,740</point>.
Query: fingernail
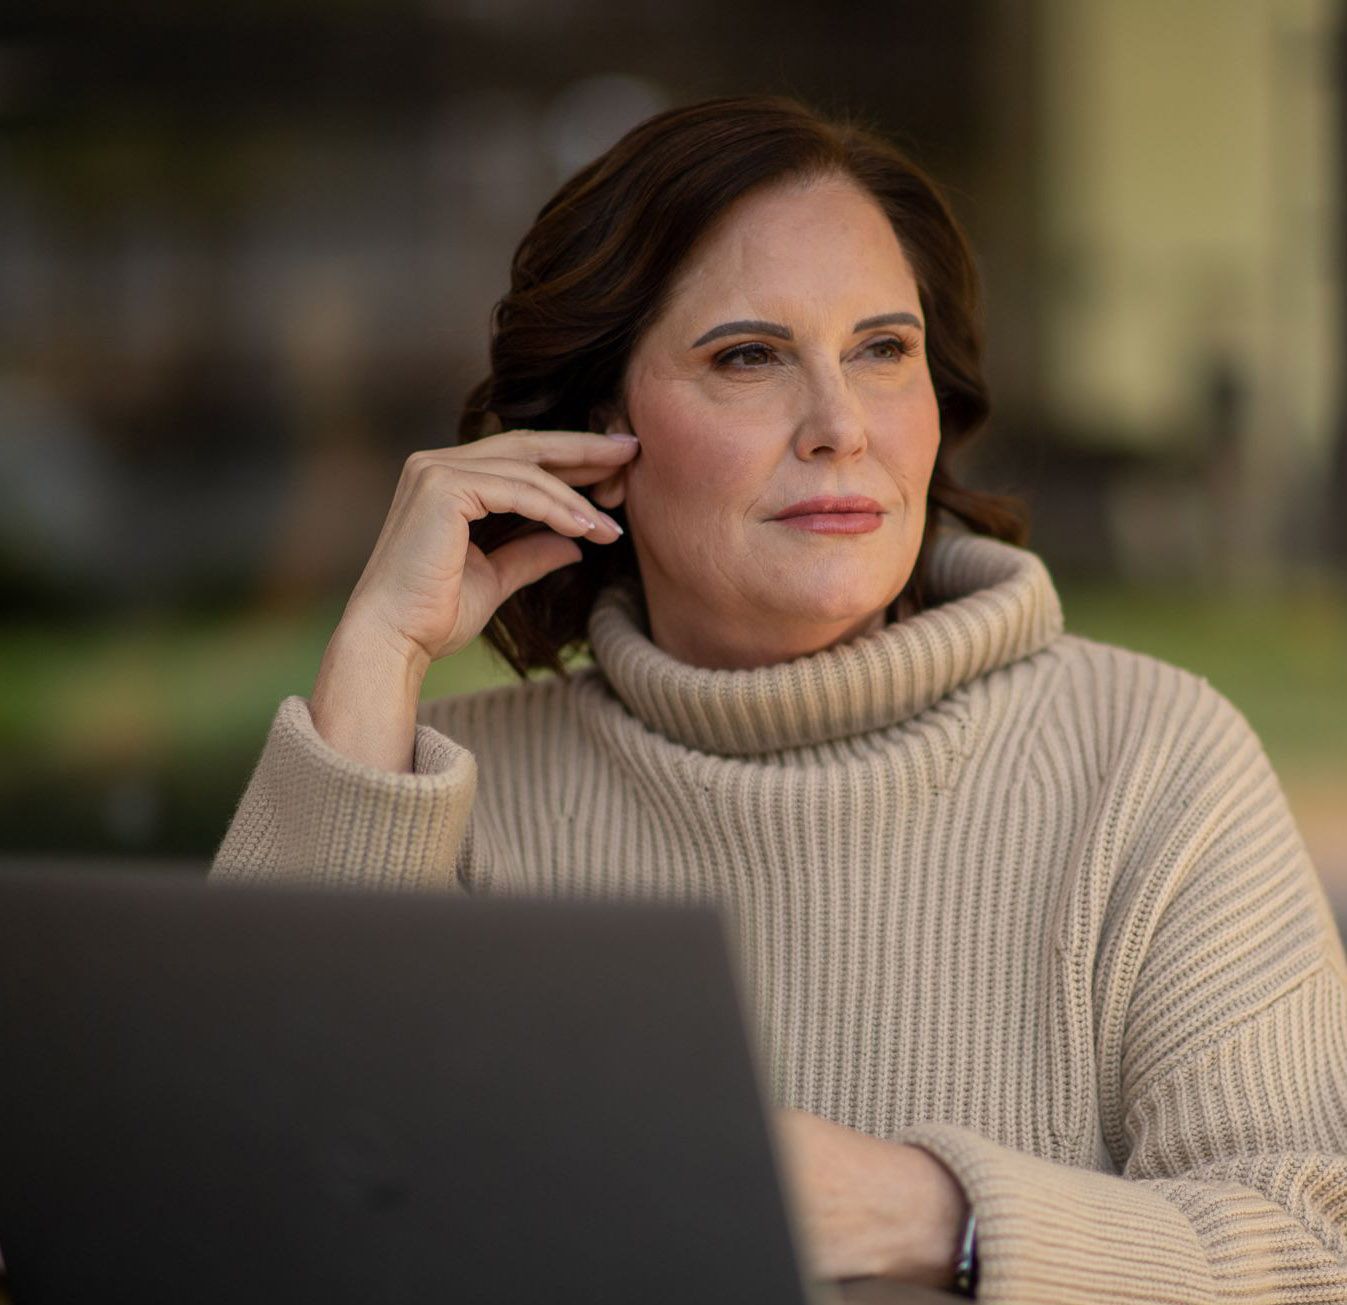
<point>619,435</point>
<point>585,521</point>
<point>612,523</point>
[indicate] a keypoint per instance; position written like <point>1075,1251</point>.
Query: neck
<point>686,634</point>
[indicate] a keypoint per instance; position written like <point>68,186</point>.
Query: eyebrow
<point>785,333</point>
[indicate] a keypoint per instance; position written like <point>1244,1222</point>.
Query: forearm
<point>365,698</point>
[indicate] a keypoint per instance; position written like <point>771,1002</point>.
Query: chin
<point>827,604</point>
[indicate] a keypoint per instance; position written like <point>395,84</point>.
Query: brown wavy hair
<point>594,272</point>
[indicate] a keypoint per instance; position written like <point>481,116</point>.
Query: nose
<point>831,417</point>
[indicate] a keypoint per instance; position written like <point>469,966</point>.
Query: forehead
<point>791,244</point>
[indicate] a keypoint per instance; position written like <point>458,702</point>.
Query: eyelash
<point>908,348</point>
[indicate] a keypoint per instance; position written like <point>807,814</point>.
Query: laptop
<point>215,1093</point>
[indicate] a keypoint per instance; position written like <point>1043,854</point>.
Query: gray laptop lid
<point>212,1093</point>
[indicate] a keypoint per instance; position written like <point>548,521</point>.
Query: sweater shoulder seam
<point>1205,1046</point>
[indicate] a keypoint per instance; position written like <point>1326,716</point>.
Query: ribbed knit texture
<point>1031,902</point>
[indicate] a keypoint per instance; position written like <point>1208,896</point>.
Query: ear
<point>612,490</point>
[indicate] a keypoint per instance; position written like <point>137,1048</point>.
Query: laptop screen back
<point>224,1094</point>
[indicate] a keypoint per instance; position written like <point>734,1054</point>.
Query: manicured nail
<point>585,521</point>
<point>612,523</point>
<point>619,435</point>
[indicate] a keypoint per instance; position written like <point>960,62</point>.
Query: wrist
<point>365,698</point>
<point>361,635</point>
<point>936,1223</point>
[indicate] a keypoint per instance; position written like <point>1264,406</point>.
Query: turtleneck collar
<point>989,604</point>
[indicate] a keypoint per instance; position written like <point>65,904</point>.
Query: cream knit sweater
<point>1031,902</point>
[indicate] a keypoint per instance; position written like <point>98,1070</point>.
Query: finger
<point>478,493</point>
<point>583,468</point>
<point>582,473</point>
<point>536,476</point>
<point>553,447</point>
<point>589,475</point>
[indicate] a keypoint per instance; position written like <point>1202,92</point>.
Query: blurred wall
<point>1191,210</point>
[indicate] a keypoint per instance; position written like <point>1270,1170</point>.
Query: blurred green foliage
<point>139,737</point>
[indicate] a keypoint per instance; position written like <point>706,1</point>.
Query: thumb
<point>529,558</point>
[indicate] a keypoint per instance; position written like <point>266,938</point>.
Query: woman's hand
<point>427,590</point>
<point>870,1208</point>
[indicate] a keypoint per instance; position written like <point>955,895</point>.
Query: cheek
<point>690,456</point>
<point>913,430</point>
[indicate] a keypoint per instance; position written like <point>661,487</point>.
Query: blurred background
<point>248,255</point>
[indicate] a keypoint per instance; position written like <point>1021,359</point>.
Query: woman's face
<point>807,394</point>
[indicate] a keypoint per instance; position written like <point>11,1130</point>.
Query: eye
<point>741,351</point>
<point>906,348</point>
<point>739,358</point>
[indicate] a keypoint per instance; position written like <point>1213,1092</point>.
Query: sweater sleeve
<point>1231,1094</point>
<point>313,815</point>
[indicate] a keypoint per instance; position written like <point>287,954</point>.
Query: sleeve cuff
<point>312,814</point>
<point>1050,1231</point>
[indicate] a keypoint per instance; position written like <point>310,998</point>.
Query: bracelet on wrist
<point>966,1266</point>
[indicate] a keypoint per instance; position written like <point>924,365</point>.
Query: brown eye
<point>741,351</point>
<point>904,348</point>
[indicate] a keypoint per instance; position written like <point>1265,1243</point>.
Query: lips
<point>828,504</point>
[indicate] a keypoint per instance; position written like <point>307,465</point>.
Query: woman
<point>1032,939</point>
